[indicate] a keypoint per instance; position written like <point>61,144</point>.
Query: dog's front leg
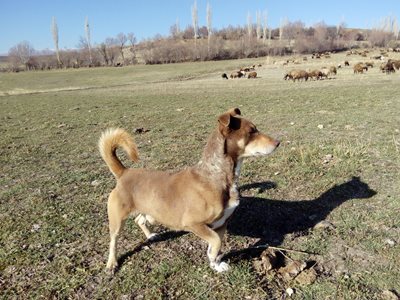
<point>214,246</point>
<point>141,221</point>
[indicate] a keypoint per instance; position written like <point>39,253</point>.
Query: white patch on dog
<point>219,267</point>
<point>227,213</point>
<point>238,168</point>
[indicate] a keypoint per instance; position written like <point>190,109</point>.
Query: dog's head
<point>242,137</point>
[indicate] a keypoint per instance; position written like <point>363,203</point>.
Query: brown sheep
<point>297,74</point>
<point>388,68</point>
<point>359,68</point>
<point>333,70</point>
<point>396,63</point>
<point>315,74</point>
<point>252,75</point>
<point>287,76</point>
<point>224,76</point>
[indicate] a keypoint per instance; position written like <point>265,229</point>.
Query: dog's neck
<point>216,162</point>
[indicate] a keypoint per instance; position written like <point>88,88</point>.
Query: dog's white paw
<point>220,267</point>
<point>111,266</point>
<point>152,237</point>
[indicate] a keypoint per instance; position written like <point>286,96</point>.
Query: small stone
<point>348,127</point>
<point>327,158</point>
<point>390,242</point>
<point>35,227</point>
<point>291,123</point>
<point>95,182</point>
<point>320,126</point>
<point>389,295</point>
<point>289,291</point>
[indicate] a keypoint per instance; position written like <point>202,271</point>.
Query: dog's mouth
<point>260,152</point>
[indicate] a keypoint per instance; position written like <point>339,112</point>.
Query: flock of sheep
<point>387,66</point>
<point>316,74</point>
<point>249,72</point>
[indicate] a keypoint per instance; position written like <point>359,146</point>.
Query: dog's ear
<point>227,120</point>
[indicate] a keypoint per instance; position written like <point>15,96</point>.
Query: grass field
<point>338,167</point>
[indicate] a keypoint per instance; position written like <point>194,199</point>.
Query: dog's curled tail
<point>110,140</point>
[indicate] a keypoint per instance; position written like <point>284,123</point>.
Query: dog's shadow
<point>271,220</point>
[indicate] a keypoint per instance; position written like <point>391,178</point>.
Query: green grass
<point>54,234</point>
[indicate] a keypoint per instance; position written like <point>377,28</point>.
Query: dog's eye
<point>253,130</point>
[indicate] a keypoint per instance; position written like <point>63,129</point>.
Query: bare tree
<point>132,42</point>
<point>175,30</point>
<point>54,31</point>
<point>122,39</point>
<point>102,48</point>
<point>258,24</point>
<point>209,25</point>
<point>21,54</point>
<point>85,58</point>
<point>395,28</point>
<point>265,25</point>
<point>112,49</point>
<point>282,25</point>
<point>87,31</point>
<point>195,21</point>
<point>249,26</point>
<point>178,28</point>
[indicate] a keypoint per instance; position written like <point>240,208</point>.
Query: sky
<point>30,20</point>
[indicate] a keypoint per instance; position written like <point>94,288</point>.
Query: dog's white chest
<point>227,213</point>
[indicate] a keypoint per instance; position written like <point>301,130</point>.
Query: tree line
<point>200,43</point>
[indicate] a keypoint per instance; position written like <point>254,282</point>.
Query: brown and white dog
<point>199,199</point>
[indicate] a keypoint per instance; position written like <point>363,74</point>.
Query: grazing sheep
<point>252,75</point>
<point>325,72</point>
<point>369,64</point>
<point>359,68</point>
<point>287,76</point>
<point>296,74</point>
<point>315,74</point>
<point>332,70</point>
<point>396,63</point>
<point>388,68</point>
<point>237,74</point>
<point>346,64</point>
<point>224,76</point>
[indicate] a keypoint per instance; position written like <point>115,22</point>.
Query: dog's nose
<point>277,143</point>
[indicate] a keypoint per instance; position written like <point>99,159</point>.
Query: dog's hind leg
<point>141,221</point>
<point>117,213</point>
<point>214,246</point>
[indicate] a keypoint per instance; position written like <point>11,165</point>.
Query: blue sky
<point>30,20</point>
